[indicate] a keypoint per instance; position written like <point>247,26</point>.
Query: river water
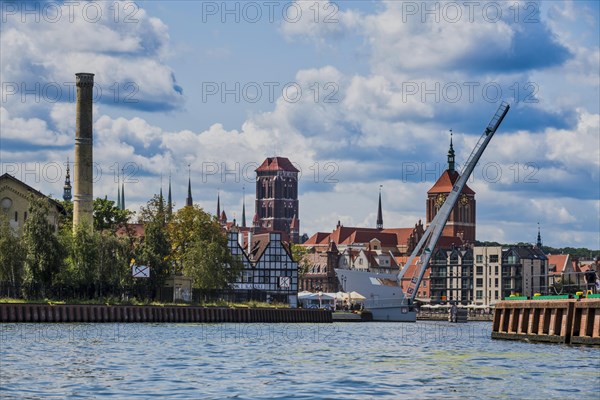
<point>307,361</point>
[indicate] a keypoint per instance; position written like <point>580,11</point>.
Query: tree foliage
<point>43,251</point>
<point>107,216</point>
<point>156,248</point>
<point>11,256</point>
<point>199,249</point>
<point>299,254</point>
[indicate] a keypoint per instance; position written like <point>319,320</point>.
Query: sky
<point>357,94</point>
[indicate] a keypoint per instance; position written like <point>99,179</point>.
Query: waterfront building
<point>320,274</point>
<point>524,271</point>
<point>15,198</point>
<point>270,273</point>
<point>487,275</point>
<point>451,276</point>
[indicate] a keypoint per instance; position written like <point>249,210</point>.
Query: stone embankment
<point>12,312</point>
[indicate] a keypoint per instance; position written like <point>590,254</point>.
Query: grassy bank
<point>135,302</point>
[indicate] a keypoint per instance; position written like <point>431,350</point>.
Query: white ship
<point>385,298</point>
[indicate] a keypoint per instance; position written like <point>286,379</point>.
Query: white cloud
<point>126,56</point>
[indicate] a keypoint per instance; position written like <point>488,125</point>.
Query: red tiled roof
<point>446,182</point>
<point>560,260</point>
<point>448,241</point>
<point>318,238</point>
<point>348,235</point>
<point>136,230</point>
<point>402,234</point>
<point>359,236</point>
<point>277,164</point>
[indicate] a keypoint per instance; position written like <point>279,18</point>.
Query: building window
<point>496,282</point>
<point>496,270</point>
<point>479,270</point>
<point>479,294</point>
<point>479,258</point>
<point>494,258</point>
<point>479,282</point>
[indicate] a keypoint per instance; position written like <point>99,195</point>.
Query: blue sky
<point>381,84</point>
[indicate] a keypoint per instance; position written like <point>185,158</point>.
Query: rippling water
<point>336,361</point>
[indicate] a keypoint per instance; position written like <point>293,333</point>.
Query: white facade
<point>487,275</point>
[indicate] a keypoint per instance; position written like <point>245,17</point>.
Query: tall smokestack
<point>83,199</point>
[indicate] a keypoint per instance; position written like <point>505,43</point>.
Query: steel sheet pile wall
<point>569,321</point>
<point>104,313</point>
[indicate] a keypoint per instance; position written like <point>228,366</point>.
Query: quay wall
<point>568,321</point>
<point>13,312</point>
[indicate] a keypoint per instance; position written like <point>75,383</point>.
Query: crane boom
<point>434,230</point>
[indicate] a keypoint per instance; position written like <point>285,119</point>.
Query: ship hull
<point>384,297</point>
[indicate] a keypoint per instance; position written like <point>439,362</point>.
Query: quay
<point>553,320</point>
<point>15,312</point>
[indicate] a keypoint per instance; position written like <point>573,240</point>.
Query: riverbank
<point>19,312</point>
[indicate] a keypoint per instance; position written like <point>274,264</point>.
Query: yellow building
<point>14,202</point>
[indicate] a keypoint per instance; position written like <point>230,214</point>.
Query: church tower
<point>277,196</point>
<point>461,222</point>
<point>67,188</point>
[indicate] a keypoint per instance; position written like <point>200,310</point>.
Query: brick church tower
<point>277,197</point>
<point>461,222</point>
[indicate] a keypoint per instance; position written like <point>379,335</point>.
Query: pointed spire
<point>169,199</point>
<point>189,201</point>
<point>539,238</point>
<point>379,212</point>
<point>123,189</point>
<point>67,188</point>
<point>243,206</point>
<point>119,190</point>
<point>161,199</point>
<point>451,154</point>
<point>160,193</point>
<point>218,205</point>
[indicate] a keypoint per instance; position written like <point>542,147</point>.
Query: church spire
<point>451,155</point>
<point>379,212</point>
<point>119,190</point>
<point>67,188</point>
<point>123,189</point>
<point>243,206</point>
<point>539,238</point>
<point>161,199</point>
<point>218,205</point>
<point>160,195</point>
<point>169,198</point>
<point>189,202</point>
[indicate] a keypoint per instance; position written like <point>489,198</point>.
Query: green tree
<point>43,251</point>
<point>112,264</point>
<point>199,249</point>
<point>300,255</point>
<point>83,259</point>
<point>156,248</point>
<point>108,216</point>
<point>11,257</point>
